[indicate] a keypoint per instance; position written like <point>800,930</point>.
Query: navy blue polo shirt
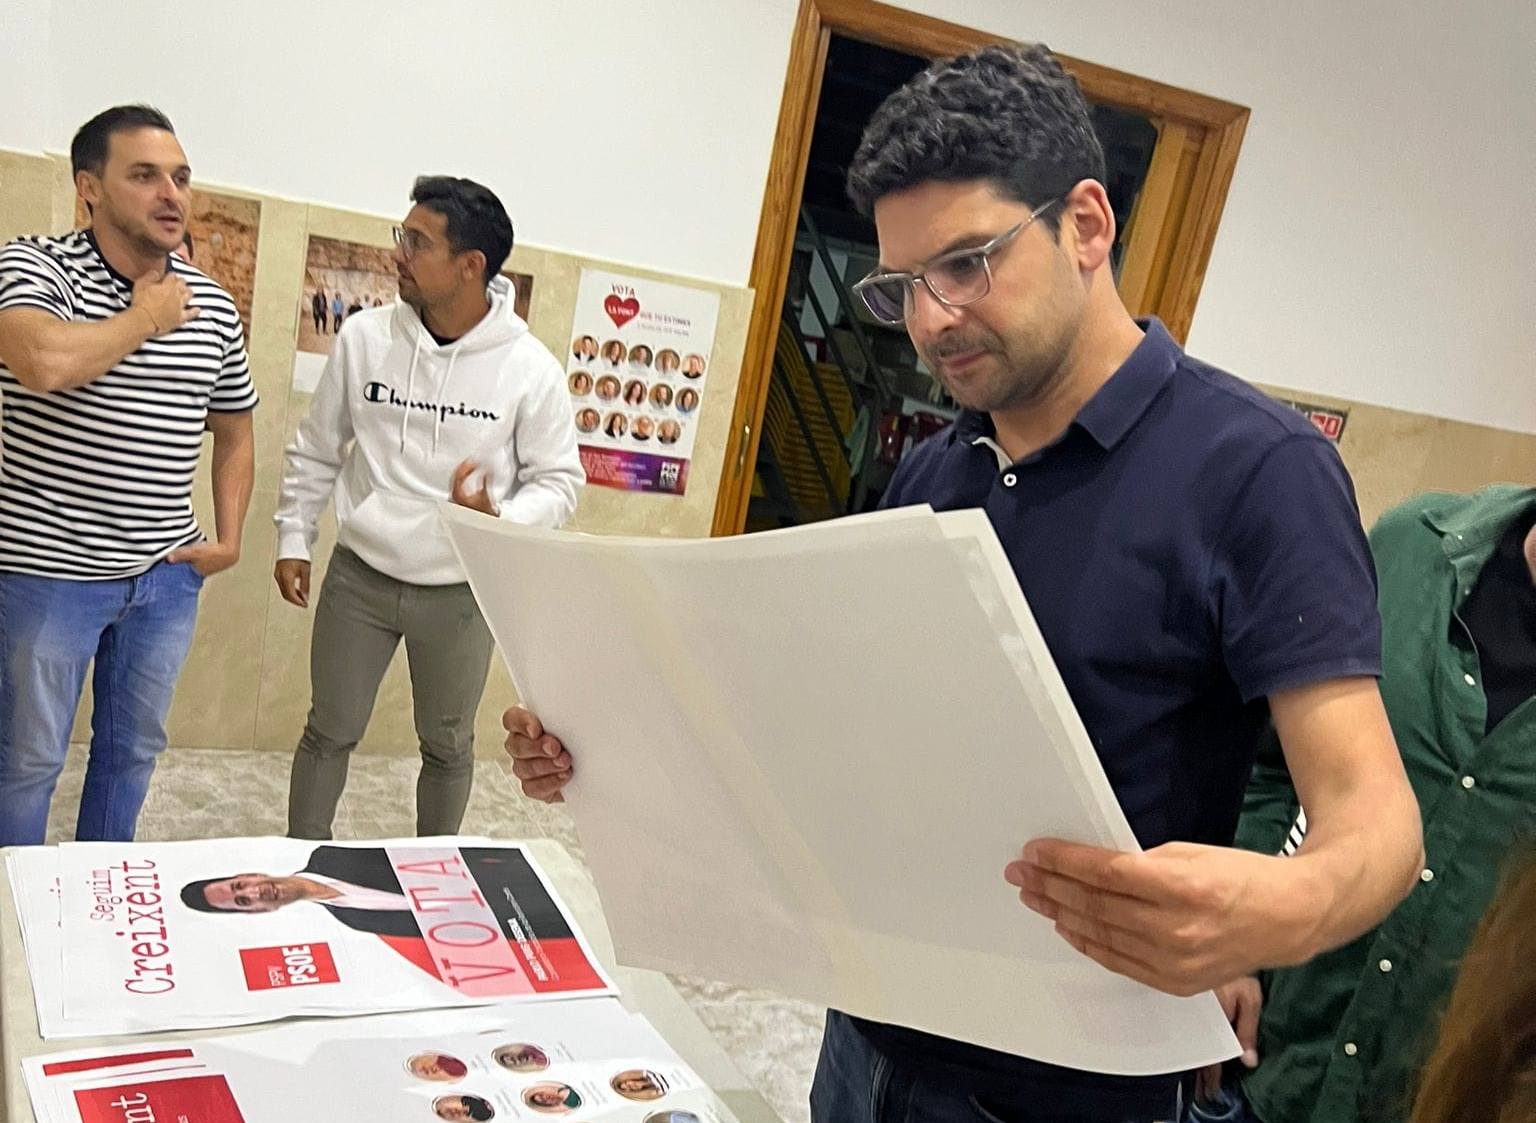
<point>1188,547</point>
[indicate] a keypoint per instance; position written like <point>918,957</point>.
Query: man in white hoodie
<point>443,395</point>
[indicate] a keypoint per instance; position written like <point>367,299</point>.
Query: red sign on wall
<point>1329,421</point>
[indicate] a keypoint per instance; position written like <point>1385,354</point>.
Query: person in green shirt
<point>1342,1039</point>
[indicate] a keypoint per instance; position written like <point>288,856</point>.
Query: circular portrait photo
<point>521,1058</point>
<point>440,1068</point>
<point>642,428</point>
<point>661,395</point>
<point>639,1084</point>
<point>688,400</point>
<point>669,431</point>
<point>634,392</point>
<point>607,387</point>
<point>580,383</point>
<point>613,352</point>
<point>587,420</point>
<point>640,355</point>
<point>668,361</point>
<point>584,347</point>
<point>693,366</point>
<point>616,425</point>
<point>463,1109</point>
<point>551,1098</point>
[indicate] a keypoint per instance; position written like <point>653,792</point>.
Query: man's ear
<point>477,261</point>
<point>88,187</point>
<point>1089,220</point>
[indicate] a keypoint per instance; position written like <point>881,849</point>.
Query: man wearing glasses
<point>1192,553</point>
<point>443,395</point>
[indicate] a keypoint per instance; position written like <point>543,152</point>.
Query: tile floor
<point>203,793</point>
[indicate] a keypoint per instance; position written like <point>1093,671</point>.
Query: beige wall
<point>246,683</point>
<point>1393,454</point>
<point>1348,261</point>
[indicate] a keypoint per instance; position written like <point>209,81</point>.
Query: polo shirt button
<point>1426,874</point>
<point>1470,680</point>
<point>1350,1048</point>
<point>1468,782</point>
<point>1385,965</point>
<point>1010,479</point>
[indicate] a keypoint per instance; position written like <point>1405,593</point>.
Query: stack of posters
<point>582,1061</point>
<point>145,937</point>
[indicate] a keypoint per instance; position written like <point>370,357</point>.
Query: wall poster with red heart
<point>637,368</point>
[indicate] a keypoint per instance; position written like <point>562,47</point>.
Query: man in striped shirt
<point>115,357</point>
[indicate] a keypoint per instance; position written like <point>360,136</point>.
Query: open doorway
<point>848,396</point>
<point>831,398</point>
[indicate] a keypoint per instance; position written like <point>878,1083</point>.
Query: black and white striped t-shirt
<point>96,482</point>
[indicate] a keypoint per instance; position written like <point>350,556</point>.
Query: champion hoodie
<point>395,413</point>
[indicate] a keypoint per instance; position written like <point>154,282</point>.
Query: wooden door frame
<point>1170,233</point>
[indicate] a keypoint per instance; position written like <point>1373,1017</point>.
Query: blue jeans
<point>856,1083</point>
<point>1229,1106</point>
<point>138,630</point>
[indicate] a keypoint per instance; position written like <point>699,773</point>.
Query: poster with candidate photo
<point>163,936</point>
<point>590,1061</point>
<point>637,368</point>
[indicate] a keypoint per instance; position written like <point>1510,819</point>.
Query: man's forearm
<point>1355,873</point>
<point>234,477</point>
<point>1364,845</point>
<point>47,354</point>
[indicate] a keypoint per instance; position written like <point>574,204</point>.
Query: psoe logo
<point>296,965</point>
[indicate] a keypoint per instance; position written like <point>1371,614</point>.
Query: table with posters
<point>647,992</point>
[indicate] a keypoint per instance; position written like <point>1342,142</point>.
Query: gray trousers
<point>360,617</point>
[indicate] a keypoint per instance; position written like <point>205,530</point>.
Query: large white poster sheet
<point>803,759</point>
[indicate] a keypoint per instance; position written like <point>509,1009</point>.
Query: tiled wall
<point>246,683</point>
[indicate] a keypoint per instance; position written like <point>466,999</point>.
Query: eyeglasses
<point>955,279</point>
<point>410,242</point>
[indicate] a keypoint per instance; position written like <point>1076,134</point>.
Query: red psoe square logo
<point>296,965</point>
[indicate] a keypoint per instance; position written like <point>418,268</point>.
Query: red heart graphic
<point>621,311</point>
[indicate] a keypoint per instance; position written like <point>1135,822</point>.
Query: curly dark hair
<point>1009,114</point>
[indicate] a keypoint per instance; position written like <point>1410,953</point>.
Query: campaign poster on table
<point>162,936</point>
<point>584,1061</point>
<point>637,370</point>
